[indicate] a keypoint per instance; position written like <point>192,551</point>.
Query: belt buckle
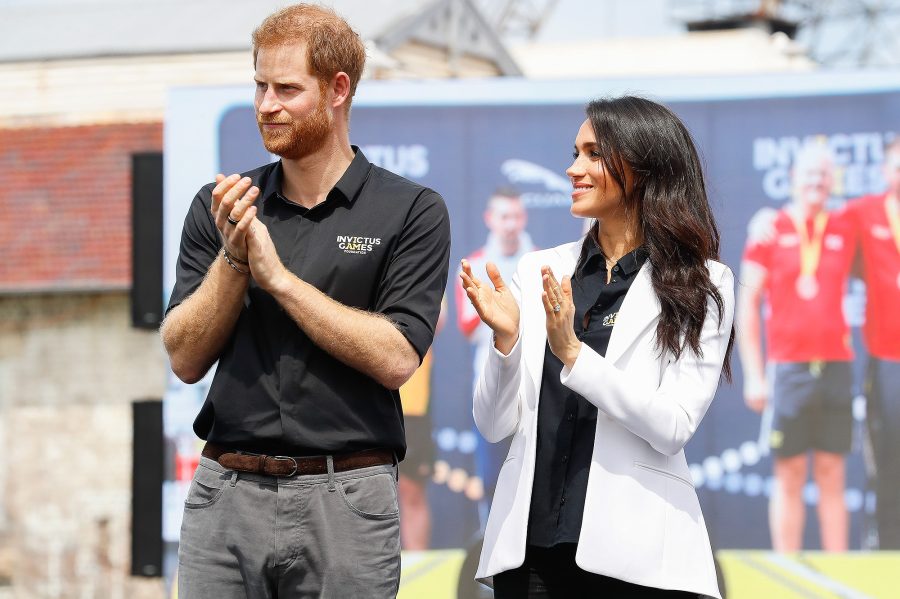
<point>287,457</point>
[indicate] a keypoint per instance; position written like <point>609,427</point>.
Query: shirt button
<point>616,268</point>
<point>570,417</point>
<point>565,459</point>
<point>562,501</point>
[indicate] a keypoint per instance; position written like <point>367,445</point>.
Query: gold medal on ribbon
<point>893,217</point>
<point>807,285</point>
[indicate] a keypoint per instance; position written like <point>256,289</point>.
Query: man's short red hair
<point>331,44</point>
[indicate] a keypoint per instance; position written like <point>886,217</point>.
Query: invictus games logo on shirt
<point>610,319</point>
<point>354,244</point>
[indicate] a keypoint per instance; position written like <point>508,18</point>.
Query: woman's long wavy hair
<point>666,197</point>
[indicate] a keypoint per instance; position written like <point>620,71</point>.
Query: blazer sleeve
<point>496,406</point>
<point>666,417</point>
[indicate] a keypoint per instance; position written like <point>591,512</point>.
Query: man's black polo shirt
<point>566,420</point>
<point>379,243</point>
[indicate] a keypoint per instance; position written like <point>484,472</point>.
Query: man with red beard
<point>877,220</point>
<point>316,284</point>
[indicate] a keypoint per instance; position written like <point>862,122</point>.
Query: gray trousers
<point>257,536</point>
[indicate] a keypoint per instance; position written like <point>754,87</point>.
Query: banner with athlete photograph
<point>500,166</point>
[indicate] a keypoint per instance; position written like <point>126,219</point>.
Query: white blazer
<point>642,520</point>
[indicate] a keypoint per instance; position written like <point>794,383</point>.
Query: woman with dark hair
<point>603,377</point>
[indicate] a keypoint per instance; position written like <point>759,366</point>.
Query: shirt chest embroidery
<point>610,319</point>
<point>881,232</point>
<point>356,244</point>
<point>788,240</point>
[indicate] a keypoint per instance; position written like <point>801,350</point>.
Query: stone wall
<point>70,366</point>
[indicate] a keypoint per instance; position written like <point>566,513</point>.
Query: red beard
<point>301,137</point>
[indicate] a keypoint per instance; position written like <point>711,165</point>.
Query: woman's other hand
<point>560,311</point>
<point>494,303</point>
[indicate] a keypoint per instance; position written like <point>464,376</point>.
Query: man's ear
<point>340,89</point>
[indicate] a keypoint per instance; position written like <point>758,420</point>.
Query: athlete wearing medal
<point>801,269</point>
<point>877,219</point>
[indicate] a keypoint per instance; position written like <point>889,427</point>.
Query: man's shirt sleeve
<point>412,287</point>
<point>199,247</point>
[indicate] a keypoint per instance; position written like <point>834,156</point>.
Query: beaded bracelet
<point>229,258</point>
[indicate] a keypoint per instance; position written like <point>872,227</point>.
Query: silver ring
<point>556,308</point>
<point>231,220</point>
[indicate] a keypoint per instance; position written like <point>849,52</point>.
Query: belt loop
<point>234,477</point>
<point>329,463</point>
<point>396,463</point>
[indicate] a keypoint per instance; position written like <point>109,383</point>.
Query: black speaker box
<point>146,489</point>
<point>146,240</point>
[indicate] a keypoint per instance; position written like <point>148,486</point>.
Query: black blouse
<point>567,421</point>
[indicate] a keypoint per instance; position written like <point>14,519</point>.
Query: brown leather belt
<point>280,465</point>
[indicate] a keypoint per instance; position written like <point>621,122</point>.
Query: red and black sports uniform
<point>808,340</point>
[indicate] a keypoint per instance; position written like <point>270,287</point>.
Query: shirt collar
<point>629,263</point>
<point>347,187</point>
<point>351,182</point>
<point>272,185</point>
<point>633,260</point>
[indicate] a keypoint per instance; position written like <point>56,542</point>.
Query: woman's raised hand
<point>494,303</point>
<point>560,310</point>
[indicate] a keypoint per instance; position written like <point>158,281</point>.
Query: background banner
<point>515,141</point>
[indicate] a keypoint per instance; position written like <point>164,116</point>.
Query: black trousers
<point>551,573</point>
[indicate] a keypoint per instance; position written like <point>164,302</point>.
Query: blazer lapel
<point>639,308</point>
